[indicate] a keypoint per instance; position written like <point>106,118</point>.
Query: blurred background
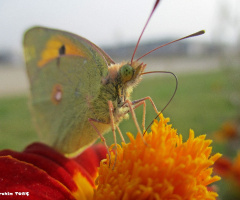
<point>208,66</point>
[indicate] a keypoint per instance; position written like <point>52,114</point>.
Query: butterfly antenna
<point>192,35</point>
<point>174,93</point>
<point>154,8</point>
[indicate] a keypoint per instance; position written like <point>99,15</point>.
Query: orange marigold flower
<point>229,170</point>
<point>236,168</point>
<point>162,167</point>
<point>227,132</point>
<point>223,167</point>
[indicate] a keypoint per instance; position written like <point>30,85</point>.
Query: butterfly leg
<point>112,123</point>
<point>131,110</point>
<point>111,109</point>
<point>121,135</point>
<point>91,121</point>
<point>144,112</point>
<point>144,99</point>
<point>140,102</point>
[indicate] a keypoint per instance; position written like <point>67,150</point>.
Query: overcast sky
<point>112,22</point>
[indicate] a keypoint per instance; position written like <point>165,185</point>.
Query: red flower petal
<point>67,171</point>
<point>18,176</point>
<point>69,165</point>
<point>96,153</point>
<point>49,166</point>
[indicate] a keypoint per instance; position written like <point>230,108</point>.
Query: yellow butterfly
<point>77,91</point>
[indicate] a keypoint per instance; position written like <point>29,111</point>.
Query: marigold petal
<point>164,168</point>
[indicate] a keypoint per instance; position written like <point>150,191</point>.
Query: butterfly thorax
<point>117,87</point>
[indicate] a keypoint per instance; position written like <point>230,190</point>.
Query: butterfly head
<point>119,83</point>
<point>129,74</point>
<point>121,79</point>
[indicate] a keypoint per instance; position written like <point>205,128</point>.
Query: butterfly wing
<point>65,73</point>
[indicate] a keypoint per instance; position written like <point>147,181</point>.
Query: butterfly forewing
<point>65,73</point>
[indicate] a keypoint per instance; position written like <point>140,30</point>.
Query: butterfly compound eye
<point>126,73</point>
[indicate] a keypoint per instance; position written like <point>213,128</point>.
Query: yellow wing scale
<point>52,49</point>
